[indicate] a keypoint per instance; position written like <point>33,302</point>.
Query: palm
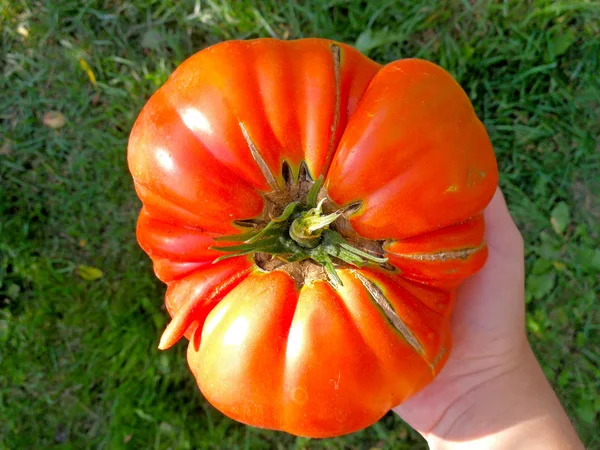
<point>488,323</point>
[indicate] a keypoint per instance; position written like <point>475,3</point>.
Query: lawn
<point>80,309</point>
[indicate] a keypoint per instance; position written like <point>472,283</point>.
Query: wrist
<point>513,408</point>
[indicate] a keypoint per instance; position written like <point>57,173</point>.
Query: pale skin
<point>492,393</point>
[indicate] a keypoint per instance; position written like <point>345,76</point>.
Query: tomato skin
<point>402,140</point>
<point>313,350</point>
<point>432,161</point>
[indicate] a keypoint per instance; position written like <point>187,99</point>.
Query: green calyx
<point>301,232</point>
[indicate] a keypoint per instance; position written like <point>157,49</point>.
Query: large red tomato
<point>312,213</point>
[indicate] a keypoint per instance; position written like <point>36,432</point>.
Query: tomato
<point>312,214</point>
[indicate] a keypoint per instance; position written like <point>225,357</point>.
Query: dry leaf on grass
<point>54,120</point>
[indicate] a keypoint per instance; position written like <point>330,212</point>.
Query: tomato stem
<point>301,232</point>
<point>306,230</point>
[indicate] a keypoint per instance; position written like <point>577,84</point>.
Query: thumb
<point>494,298</point>
<point>502,235</point>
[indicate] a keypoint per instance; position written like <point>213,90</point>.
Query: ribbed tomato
<point>312,213</point>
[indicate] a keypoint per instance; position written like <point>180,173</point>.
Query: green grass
<point>78,358</point>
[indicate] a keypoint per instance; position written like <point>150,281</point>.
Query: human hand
<point>492,392</point>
